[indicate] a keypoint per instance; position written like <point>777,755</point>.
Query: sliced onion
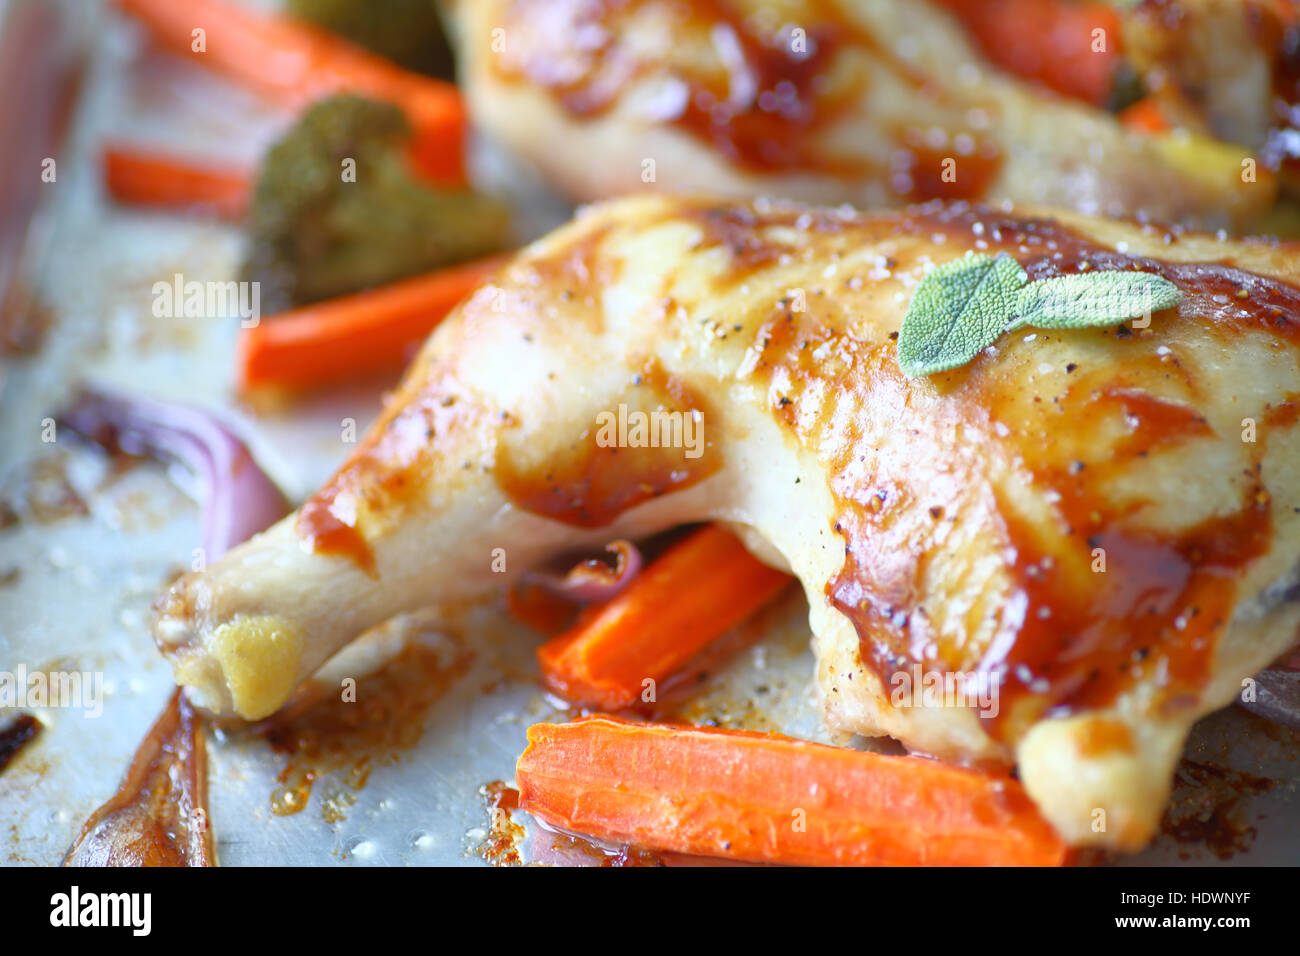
<point>593,580</point>
<point>1277,696</point>
<point>238,499</point>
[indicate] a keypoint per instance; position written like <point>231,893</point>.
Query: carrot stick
<point>695,592</point>
<point>1145,116</point>
<point>295,63</point>
<point>354,335</point>
<point>1051,41</point>
<point>537,608</point>
<point>769,798</point>
<point>145,178</point>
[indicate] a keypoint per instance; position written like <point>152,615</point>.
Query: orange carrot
<point>296,63</point>
<point>769,798</point>
<point>1052,41</point>
<point>1145,116</point>
<point>145,178</point>
<point>532,605</point>
<point>354,335</point>
<point>695,592</point>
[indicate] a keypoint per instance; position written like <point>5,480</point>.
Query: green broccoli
<point>408,32</point>
<point>337,209</point>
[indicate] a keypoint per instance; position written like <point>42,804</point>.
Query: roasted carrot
<point>695,592</point>
<point>146,178</point>
<point>1069,46</point>
<point>1145,116</point>
<point>534,606</point>
<point>355,335</point>
<point>295,63</point>
<point>768,798</point>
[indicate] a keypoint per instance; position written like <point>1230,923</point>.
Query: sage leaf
<point>1092,299</point>
<point>958,310</point>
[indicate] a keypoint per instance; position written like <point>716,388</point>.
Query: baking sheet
<point>92,544</point>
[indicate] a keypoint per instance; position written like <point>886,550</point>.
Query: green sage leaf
<point>958,310</point>
<point>1093,299</point>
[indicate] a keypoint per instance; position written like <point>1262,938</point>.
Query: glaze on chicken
<point>1105,521</point>
<point>877,103</point>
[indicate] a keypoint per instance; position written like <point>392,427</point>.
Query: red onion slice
<point>593,580</point>
<point>239,499</point>
<point>1277,696</point>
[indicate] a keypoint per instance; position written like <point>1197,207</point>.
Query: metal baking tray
<point>88,541</point>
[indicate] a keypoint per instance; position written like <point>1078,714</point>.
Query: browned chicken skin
<point>1105,523</point>
<point>873,102</point>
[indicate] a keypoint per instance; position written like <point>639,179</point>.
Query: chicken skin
<point>877,103</point>
<point>1102,525</point>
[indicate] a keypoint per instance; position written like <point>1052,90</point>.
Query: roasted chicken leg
<point>872,102</point>
<point>1105,523</point>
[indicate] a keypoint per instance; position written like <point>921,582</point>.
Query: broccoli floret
<point>337,209</point>
<point>408,32</point>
